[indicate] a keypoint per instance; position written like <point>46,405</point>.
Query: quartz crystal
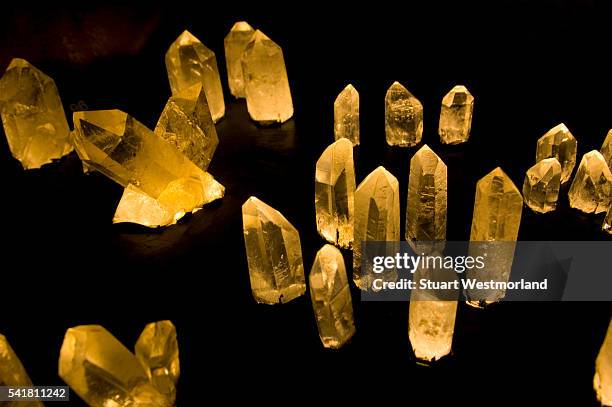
<point>377,218</point>
<point>541,186</point>
<point>12,373</point>
<point>331,298</point>
<point>602,381</point>
<point>189,62</point>
<point>607,225</point>
<point>456,116</point>
<point>186,123</point>
<point>346,115</point>
<point>266,84</point>
<point>335,193</point>
<point>157,351</point>
<point>105,373</point>
<point>426,209</point>
<point>235,43</point>
<point>273,252</point>
<point>591,189</point>
<point>606,149</point>
<point>403,117</point>
<point>32,114</point>
<point>495,224</point>
<point>559,143</point>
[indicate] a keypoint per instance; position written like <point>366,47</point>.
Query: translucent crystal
<point>541,186</point>
<point>157,351</point>
<point>273,252</point>
<point>235,43</point>
<point>346,115</point>
<point>12,373</point>
<point>559,143</point>
<point>266,85</point>
<point>335,193</point>
<point>186,123</point>
<point>456,116</point>
<point>606,149</point>
<point>331,297</point>
<point>189,62</point>
<point>607,225</point>
<point>426,208</point>
<point>377,218</point>
<point>32,114</point>
<point>591,189</point>
<point>105,373</point>
<point>602,381</point>
<point>403,117</point>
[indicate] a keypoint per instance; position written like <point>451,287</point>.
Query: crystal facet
<point>377,217</point>
<point>105,373</point>
<point>559,143</point>
<point>157,351</point>
<point>235,43</point>
<point>331,298</point>
<point>12,373</point>
<point>266,85</point>
<point>403,117</point>
<point>32,114</point>
<point>456,116</point>
<point>541,186</point>
<point>607,225</point>
<point>335,193</point>
<point>606,149</point>
<point>602,381</point>
<point>346,115</point>
<point>273,252</point>
<point>591,189</point>
<point>186,123</point>
<point>189,62</point>
<point>427,198</point>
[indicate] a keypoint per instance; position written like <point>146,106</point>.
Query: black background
<point>529,65</point>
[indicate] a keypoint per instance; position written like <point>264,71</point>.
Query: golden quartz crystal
<point>559,143</point>
<point>346,115</point>
<point>377,218</point>
<point>591,189</point>
<point>105,373</point>
<point>186,123</point>
<point>235,43</point>
<point>403,117</point>
<point>607,225</point>
<point>496,220</point>
<point>161,184</point>
<point>335,193</point>
<point>541,185</point>
<point>606,149</point>
<point>32,114</point>
<point>189,62</point>
<point>331,298</point>
<point>456,116</point>
<point>274,254</point>
<point>427,199</point>
<point>602,381</point>
<point>266,84</point>
<point>157,351</point>
<point>12,373</point>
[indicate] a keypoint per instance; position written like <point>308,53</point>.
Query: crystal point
<point>32,114</point>
<point>266,84</point>
<point>456,116</point>
<point>606,149</point>
<point>235,43</point>
<point>331,298</point>
<point>559,143</point>
<point>602,381</point>
<point>12,373</point>
<point>189,62</point>
<point>541,185</point>
<point>346,115</point>
<point>335,193</point>
<point>274,254</point>
<point>591,189</point>
<point>403,117</point>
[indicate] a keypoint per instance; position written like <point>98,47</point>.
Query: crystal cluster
<point>456,116</point>
<point>12,373</point>
<point>559,143</point>
<point>235,43</point>
<point>602,381</point>
<point>541,185</point>
<point>403,117</point>
<point>591,189</point>
<point>346,115</point>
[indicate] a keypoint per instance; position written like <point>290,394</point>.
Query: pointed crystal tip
<point>241,26</point>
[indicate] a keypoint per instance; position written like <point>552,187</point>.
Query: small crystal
<point>559,143</point>
<point>331,298</point>
<point>541,186</point>
<point>12,373</point>
<point>591,189</point>
<point>403,117</point>
<point>274,254</point>
<point>235,43</point>
<point>32,114</point>
<point>335,193</point>
<point>607,225</point>
<point>346,115</point>
<point>456,116</point>
<point>602,381</point>
<point>606,149</point>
